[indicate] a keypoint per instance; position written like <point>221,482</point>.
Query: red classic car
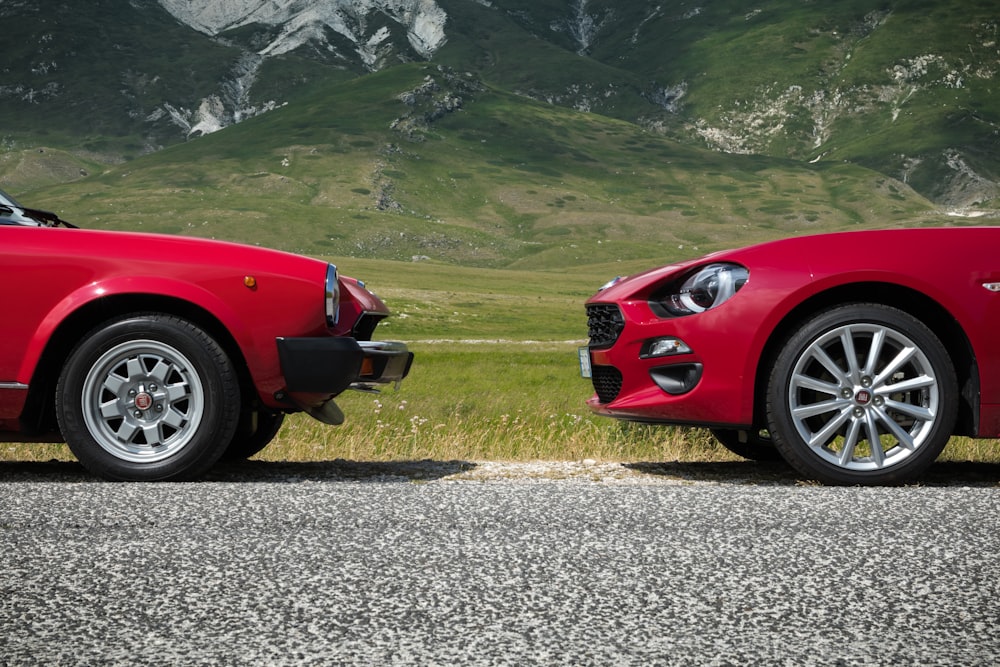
<point>854,356</point>
<point>154,356</point>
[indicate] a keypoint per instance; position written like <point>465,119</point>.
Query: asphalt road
<point>430,564</point>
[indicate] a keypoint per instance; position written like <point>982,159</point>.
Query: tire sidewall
<point>783,428</point>
<point>214,370</point>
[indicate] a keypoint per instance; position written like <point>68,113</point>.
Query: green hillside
<point>907,88</point>
<point>380,168</point>
<point>87,75</point>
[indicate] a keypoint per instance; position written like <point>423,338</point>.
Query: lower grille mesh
<point>607,382</point>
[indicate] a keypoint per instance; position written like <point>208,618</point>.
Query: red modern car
<point>154,356</point>
<point>855,356</point>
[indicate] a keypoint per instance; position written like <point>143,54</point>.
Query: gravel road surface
<point>451,563</point>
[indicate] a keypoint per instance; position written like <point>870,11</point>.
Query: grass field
<point>495,378</point>
<point>521,202</point>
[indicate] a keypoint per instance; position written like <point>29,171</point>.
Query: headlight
<point>332,296</point>
<point>707,288</point>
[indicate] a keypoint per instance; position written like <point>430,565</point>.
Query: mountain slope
<point>908,88</point>
<point>86,75</point>
<point>421,162</point>
<point>904,87</point>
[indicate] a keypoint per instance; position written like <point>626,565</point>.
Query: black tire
<point>256,431</point>
<point>858,374</point>
<point>148,397</point>
<point>753,445</point>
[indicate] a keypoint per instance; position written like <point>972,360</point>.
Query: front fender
<point>135,286</point>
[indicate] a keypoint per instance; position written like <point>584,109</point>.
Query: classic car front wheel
<point>148,397</point>
<point>862,394</point>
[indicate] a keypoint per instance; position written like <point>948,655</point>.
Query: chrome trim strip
<point>12,385</point>
<point>390,346</point>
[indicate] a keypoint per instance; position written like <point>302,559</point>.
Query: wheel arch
<point>913,302</point>
<point>38,415</point>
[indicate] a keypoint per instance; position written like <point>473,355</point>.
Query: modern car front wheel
<point>862,394</point>
<point>148,397</point>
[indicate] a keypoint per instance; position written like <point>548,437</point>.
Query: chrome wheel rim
<point>143,401</point>
<point>863,397</point>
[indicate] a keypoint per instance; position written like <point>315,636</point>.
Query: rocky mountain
<point>342,33</point>
<point>905,87</point>
<point>307,24</point>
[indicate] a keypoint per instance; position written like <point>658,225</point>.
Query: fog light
<point>664,347</point>
<point>676,380</point>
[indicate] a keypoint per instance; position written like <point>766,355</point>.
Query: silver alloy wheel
<point>143,401</point>
<point>863,397</point>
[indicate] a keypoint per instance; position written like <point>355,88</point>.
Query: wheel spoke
<point>874,351</point>
<point>111,409</point>
<point>918,412</point>
<point>825,434</point>
<point>114,384</point>
<point>815,384</point>
<point>820,355</point>
<point>816,409</point>
<point>919,382</point>
<point>902,435</point>
<point>160,372</point>
<point>850,443</point>
<point>152,434</point>
<point>902,358</point>
<point>174,419</point>
<point>126,431</point>
<point>133,368</point>
<point>177,392</point>
<point>850,356</point>
<point>874,441</point>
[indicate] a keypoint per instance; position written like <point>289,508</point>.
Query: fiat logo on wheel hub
<point>863,397</point>
<point>143,401</point>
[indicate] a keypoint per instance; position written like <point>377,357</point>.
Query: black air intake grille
<point>607,382</point>
<point>364,328</point>
<point>604,324</point>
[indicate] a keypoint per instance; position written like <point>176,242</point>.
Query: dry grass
<point>488,402</point>
<point>393,432</point>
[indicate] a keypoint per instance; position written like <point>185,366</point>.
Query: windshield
<point>12,213</point>
<point>7,200</point>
